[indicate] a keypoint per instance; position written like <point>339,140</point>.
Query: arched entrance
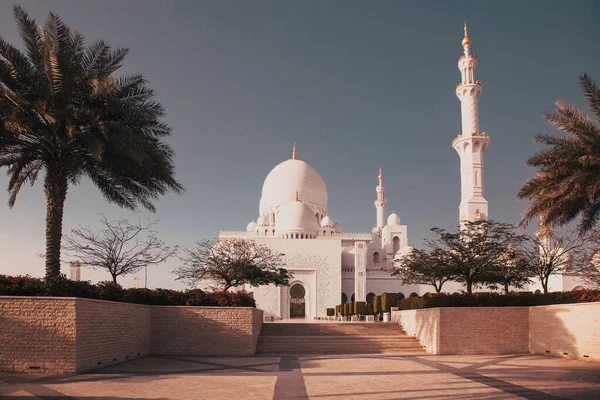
<point>297,301</point>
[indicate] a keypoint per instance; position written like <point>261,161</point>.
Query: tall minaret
<point>471,143</point>
<point>380,204</point>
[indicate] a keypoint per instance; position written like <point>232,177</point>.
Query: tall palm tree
<point>567,184</point>
<point>65,114</point>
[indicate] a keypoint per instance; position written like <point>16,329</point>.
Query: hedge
<point>498,300</point>
<point>63,287</point>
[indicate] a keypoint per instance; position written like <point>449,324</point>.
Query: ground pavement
<point>385,376</point>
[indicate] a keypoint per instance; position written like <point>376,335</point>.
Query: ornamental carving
<point>271,296</point>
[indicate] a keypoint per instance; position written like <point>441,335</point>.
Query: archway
<point>370,298</point>
<point>297,301</point>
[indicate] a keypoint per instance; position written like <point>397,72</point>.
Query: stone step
<point>331,329</point>
<point>335,338</point>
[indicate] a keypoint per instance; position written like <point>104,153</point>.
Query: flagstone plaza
<point>321,377</point>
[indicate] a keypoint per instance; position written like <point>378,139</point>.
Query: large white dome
<point>285,180</point>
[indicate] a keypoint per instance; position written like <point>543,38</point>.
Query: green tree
<point>473,251</point>
<point>567,184</point>
<point>231,263</point>
<point>65,114</point>
<point>425,267</point>
<point>512,269</point>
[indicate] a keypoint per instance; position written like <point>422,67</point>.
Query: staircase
<point>336,338</point>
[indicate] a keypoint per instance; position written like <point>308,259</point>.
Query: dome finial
<point>380,175</point>
<point>294,152</point>
<point>466,40</point>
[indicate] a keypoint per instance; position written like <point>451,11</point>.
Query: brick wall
<point>60,334</point>
<point>484,330</point>
<point>37,334</point>
<point>110,332</point>
<point>468,330</point>
<point>573,329</point>
<point>423,324</point>
<point>205,331</point>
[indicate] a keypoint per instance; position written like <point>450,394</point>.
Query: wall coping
<point>597,303</point>
<point>116,302</point>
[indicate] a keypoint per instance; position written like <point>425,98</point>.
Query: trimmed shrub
<point>377,305</point>
<point>388,300</point>
<point>360,307</point>
<point>330,312</point>
<point>370,310</point>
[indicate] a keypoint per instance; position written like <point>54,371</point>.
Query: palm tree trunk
<point>506,288</point>
<point>55,187</point>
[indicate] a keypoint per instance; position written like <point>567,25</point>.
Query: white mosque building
<point>330,266</point>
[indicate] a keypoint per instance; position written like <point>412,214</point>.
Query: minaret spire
<point>471,143</point>
<point>380,203</point>
<point>294,152</point>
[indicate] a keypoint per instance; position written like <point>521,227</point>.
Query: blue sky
<point>356,84</point>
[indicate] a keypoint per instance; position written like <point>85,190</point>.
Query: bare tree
<point>557,251</point>
<point>233,262</point>
<point>120,247</point>
<point>590,265</point>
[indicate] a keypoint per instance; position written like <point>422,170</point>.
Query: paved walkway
<point>321,377</point>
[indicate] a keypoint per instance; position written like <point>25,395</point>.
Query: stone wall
<point>110,332</point>
<point>37,334</point>
<point>205,331</point>
<point>566,330</point>
<point>60,334</point>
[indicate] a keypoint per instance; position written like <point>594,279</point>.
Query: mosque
<point>329,265</point>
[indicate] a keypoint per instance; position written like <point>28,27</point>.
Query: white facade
<point>327,262</point>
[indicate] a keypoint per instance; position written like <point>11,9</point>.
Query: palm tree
<point>567,184</point>
<point>65,114</point>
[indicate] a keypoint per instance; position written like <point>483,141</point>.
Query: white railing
<point>339,235</point>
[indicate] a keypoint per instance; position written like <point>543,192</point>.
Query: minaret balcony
<point>475,83</point>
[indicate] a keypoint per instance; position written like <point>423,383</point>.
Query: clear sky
<point>356,84</point>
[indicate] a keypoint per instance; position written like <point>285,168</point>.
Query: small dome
<point>263,220</point>
<point>251,226</point>
<point>393,219</point>
<point>337,227</point>
<point>327,222</point>
<point>296,217</point>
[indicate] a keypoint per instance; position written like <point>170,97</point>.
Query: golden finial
<point>380,174</point>
<point>297,196</point>
<point>294,152</point>
<point>466,40</point>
